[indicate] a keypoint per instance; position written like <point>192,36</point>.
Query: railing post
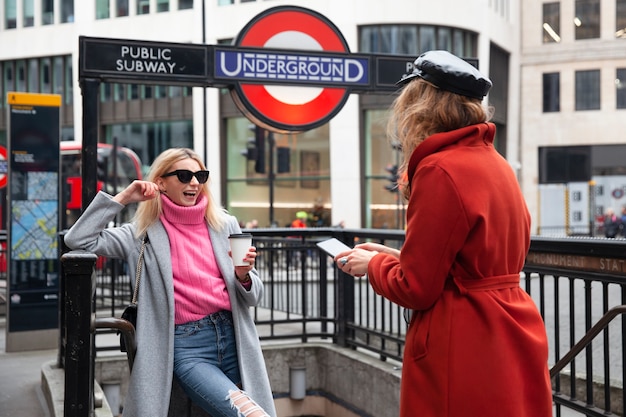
<point>80,279</point>
<point>344,306</point>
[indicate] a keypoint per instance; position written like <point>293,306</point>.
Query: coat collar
<point>468,135</point>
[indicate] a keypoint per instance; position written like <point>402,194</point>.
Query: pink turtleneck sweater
<point>199,288</point>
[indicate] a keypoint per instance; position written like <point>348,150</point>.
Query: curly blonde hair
<point>149,211</point>
<point>422,110</point>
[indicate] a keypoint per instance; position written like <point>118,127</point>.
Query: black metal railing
<point>574,283</point>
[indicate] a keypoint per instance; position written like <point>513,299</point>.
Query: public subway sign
<point>289,69</point>
<point>118,59</point>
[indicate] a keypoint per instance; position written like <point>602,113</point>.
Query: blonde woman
<point>193,321</point>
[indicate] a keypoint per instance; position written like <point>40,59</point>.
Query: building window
<point>588,90</point>
<point>551,22</point>
<point>10,14</point>
<point>28,11</point>
<point>121,8</point>
<point>45,76</point>
<point>587,19</point>
<point>551,92</point>
<point>102,9</point>
<point>67,11</point>
<point>20,79</point>
<point>68,93</point>
<point>58,74</point>
<point>143,6</point>
<point>33,76</point>
<point>415,39</point>
<point>163,6</point>
<point>225,2</point>
<point>620,19</point>
<point>47,12</point>
<point>620,88</point>
<point>185,4</point>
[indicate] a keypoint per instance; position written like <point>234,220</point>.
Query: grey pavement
<point>21,394</point>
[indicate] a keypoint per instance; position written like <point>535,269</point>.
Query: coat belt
<point>498,282</point>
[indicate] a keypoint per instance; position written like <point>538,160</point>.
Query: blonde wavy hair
<point>420,111</point>
<point>148,212</point>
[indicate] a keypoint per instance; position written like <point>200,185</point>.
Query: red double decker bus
<point>117,168</point>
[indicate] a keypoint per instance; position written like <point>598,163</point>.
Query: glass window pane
<point>385,208</point>
<point>551,92</point>
<point>9,76</point>
<point>58,75</point>
<point>20,79</point>
<point>133,91</point>
<point>457,42</point>
<point>367,41</point>
<point>185,4</point>
<point>302,185</point>
<point>67,11</point>
<point>45,76</point>
<point>105,92</point>
<point>427,38</point>
<point>225,2</point>
<point>163,6</point>
<point>10,14</point>
<point>444,39</point>
<point>620,88</point>
<point>33,76</point>
<point>620,19</point>
<point>118,92</point>
<point>28,8</point>
<point>551,22</point>
<point>587,19</point>
<point>69,78</point>
<point>121,8</point>
<point>47,12</point>
<point>143,6</point>
<point>588,90</point>
<point>102,9</point>
<point>385,43</point>
<point>408,40</point>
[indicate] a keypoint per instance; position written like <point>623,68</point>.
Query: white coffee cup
<point>239,245</point>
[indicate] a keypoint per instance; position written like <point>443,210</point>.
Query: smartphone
<point>333,246</point>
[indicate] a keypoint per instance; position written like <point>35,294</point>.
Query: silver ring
<point>344,260</point>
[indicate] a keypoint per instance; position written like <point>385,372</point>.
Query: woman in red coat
<point>476,345</point>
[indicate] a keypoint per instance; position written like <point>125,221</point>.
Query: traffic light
<point>284,159</point>
<point>255,149</point>
<point>392,178</point>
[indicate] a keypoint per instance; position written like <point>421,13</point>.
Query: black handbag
<point>130,312</point>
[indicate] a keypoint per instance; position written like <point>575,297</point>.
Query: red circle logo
<point>287,108</point>
<point>3,167</point>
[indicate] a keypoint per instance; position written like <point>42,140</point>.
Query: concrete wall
<point>340,382</point>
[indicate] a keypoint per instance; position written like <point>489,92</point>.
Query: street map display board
<point>33,252</point>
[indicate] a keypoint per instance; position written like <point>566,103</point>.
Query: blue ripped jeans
<point>205,362</point>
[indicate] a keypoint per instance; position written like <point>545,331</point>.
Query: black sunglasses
<point>185,176</point>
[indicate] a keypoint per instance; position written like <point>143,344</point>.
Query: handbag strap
<point>138,270</point>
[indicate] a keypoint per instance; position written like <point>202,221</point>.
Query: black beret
<point>449,72</point>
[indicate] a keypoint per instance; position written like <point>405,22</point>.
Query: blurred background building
<point>556,68</point>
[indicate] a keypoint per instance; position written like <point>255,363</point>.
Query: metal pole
<point>90,88</point>
<point>271,175</point>
<point>204,120</point>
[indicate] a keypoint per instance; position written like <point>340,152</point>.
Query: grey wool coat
<point>151,377</point>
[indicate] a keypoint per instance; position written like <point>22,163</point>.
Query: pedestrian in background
<point>194,321</point>
<point>476,345</point>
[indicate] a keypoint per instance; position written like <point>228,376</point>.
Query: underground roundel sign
<point>287,107</point>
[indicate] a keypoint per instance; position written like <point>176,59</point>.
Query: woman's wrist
<point>245,279</point>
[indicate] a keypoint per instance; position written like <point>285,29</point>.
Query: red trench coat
<point>476,345</point>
